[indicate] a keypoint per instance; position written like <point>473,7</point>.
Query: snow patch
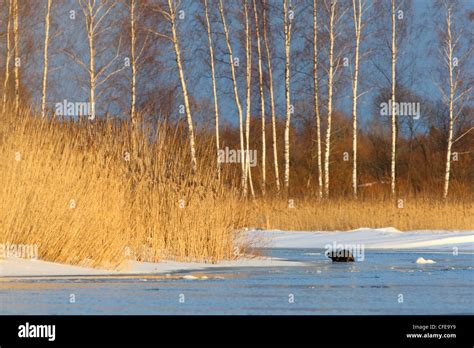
<point>381,238</point>
<point>190,277</point>
<point>422,261</point>
<point>27,268</point>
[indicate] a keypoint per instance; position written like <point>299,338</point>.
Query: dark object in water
<point>340,256</point>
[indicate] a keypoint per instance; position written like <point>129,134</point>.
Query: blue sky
<point>416,66</point>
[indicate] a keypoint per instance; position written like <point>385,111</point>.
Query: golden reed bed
<point>80,193</point>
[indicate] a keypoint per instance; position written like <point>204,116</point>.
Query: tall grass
<point>338,214</point>
<point>86,196</point>
<point>79,193</point>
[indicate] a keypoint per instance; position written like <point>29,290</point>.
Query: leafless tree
<point>8,54</point>
<point>95,14</point>
<point>272,97</point>
<point>287,23</point>
<point>456,96</point>
<point>45,58</point>
<point>316,98</point>
<point>248,63</point>
<point>236,94</point>
<point>394,116</point>
<point>16,44</point>
<point>214,84</point>
<point>358,9</point>
<point>262,96</point>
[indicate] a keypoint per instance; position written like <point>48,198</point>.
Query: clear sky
<point>416,66</point>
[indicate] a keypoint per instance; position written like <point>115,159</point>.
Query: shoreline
<point>388,239</point>
<point>21,268</point>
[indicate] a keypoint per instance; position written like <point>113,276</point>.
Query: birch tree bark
<point>262,97</point>
<point>16,43</point>
<point>8,56</point>
<point>45,59</point>
<point>449,43</point>
<point>214,86</point>
<point>133,85</point>
<point>236,96</point>
<point>135,57</point>
<point>133,43</point>
<point>90,20</point>
<point>394,116</point>
<point>316,98</point>
<point>248,63</point>
<point>459,94</point>
<point>287,32</point>
<point>172,18</point>
<point>357,28</point>
<point>272,98</point>
<point>332,15</point>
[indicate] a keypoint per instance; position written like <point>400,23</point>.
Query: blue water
<point>384,283</point>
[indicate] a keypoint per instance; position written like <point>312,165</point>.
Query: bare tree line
<point>254,26</point>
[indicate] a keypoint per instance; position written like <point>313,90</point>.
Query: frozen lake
<point>386,282</point>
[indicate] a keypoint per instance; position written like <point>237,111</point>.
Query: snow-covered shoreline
<point>17,268</point>
<point>383,238</point>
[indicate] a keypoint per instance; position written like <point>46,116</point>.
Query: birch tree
<point>449,43</point>
<point>90,15</point>
<point>394,116</point>
<point>358,9</point>
<point>287,23</point>
<point>236,95</point>
<point>214,85</point>
<point>134,61</point>
<point>8,55</point>
<point>262,97</point>
<point>95,15</point>
<point>272,98</point>
<point>133,64</point>
<point>248,63</point>
<point>16,44</point>
<point>171,16</point>
<point>391,37</point>
<point>45,58</point>
<point>316,98</point>
<point>332,15</point>
<point>456,94</point>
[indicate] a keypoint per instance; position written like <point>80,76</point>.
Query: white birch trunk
<point>133,41</point>
<point>316,99</point>
<point>45,59</point>
<point>357,28</point>
<point>449,57</point>
<point>330,91</point>
<point>248,54</point>
<point>183,85</point>
<point>394,116</point>
<point>262,98</point>
<point>287,32</point>
<point>90,35</point>
<point>214,85</point>
<point>8,56</point>
<point>236,95</point>
<point>16,39</point>
<point>272,99</point>
<point>133,83</point>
